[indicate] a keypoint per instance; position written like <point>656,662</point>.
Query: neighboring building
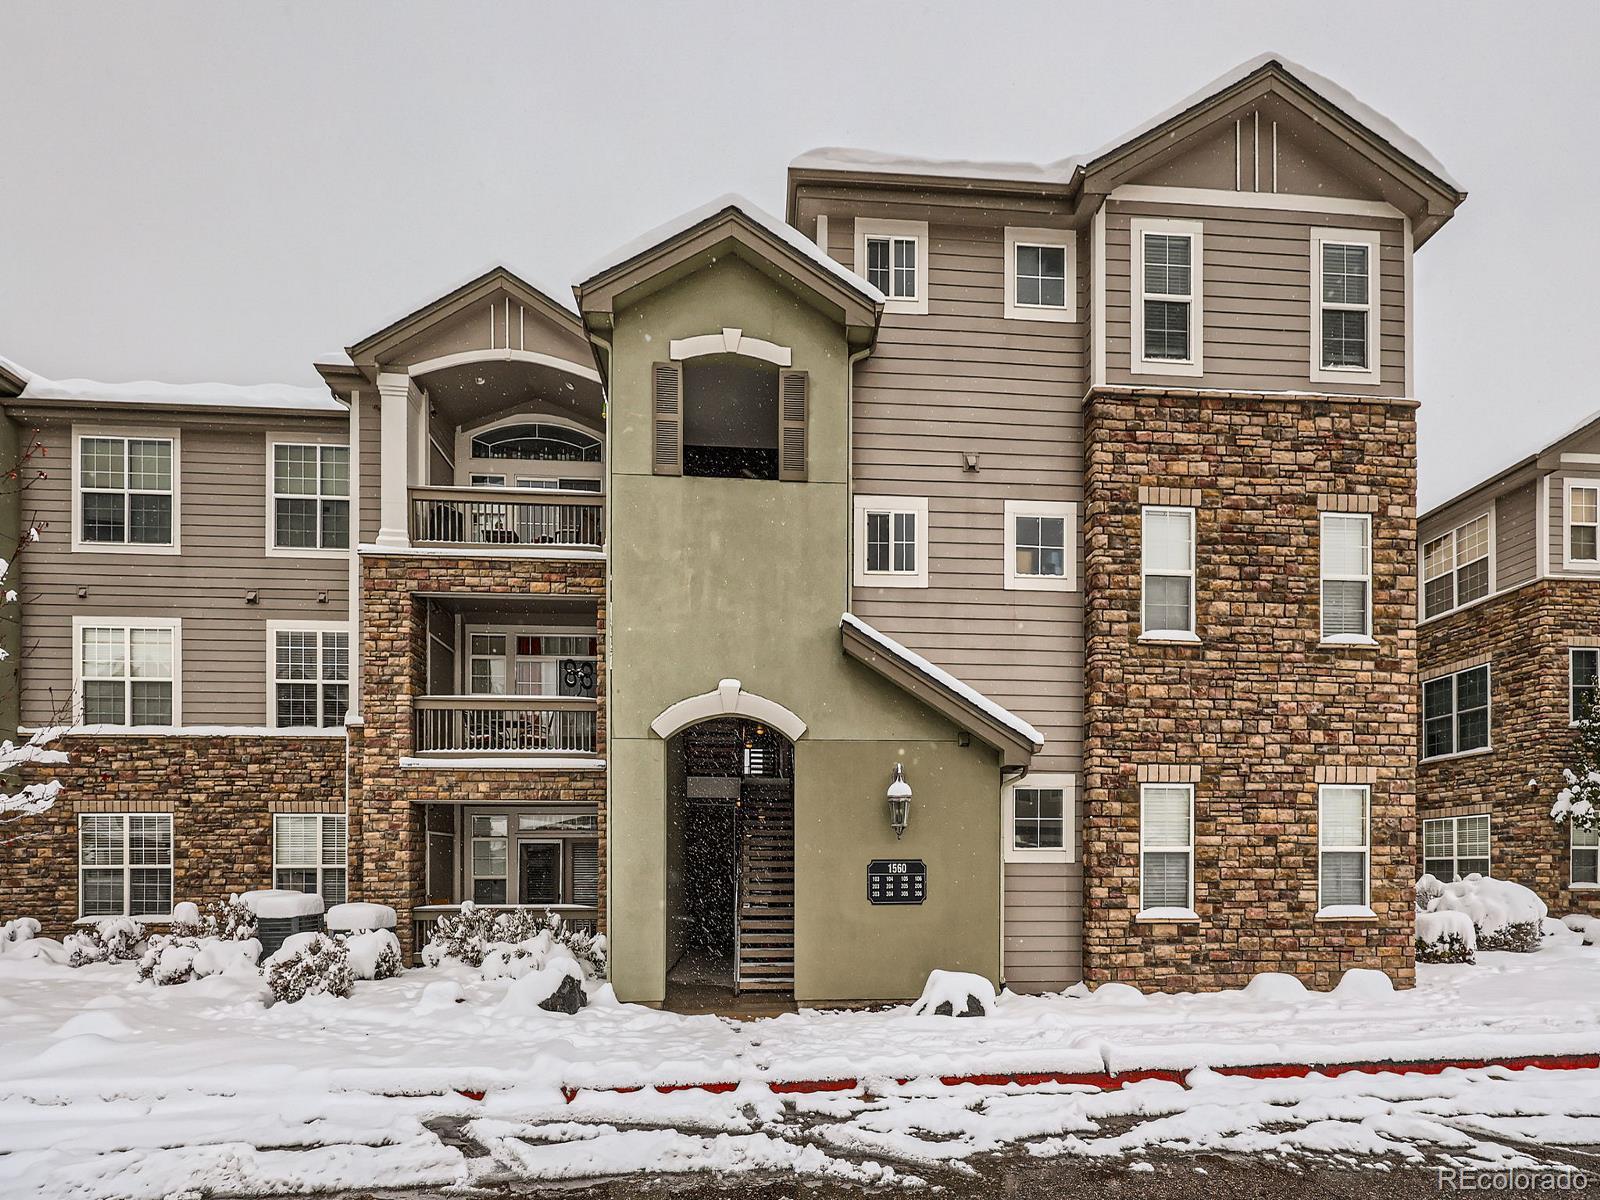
<point>663,600</point>
<point>1509,656</point>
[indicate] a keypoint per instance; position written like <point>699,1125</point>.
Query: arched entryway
<point>730,862</point>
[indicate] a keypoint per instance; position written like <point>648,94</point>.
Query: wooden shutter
<point>666,419</point>
<point>793,402</point>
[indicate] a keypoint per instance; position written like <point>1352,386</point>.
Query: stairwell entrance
<point>730,864</point>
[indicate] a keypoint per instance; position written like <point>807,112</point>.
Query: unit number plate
<point>897,881</point>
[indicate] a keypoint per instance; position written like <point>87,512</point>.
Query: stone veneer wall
<point>1525,635</point>
<point>388,847</point>
<point>220,790</point>
<point>1257,708</point>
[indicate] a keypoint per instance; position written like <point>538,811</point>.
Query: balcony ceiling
<point>471,392</point>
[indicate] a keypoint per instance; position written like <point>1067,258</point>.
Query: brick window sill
<point>1583,887</point>
<point>1442,758</point>
<point>1352,643</point>
<point>1175,638</point>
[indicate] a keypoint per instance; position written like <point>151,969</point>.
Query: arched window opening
<point>537,443</point>
<point>730,418</point>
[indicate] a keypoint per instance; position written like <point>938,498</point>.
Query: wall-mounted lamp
<point>322,597</point>
<point>969,461</point>
<point>252,597</point>
<point>83,593</point>
<point>899,802</point>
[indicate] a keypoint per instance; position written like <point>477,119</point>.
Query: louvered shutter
<point>666,419</point>
<point>793,402</point>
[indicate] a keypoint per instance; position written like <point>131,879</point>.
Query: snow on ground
<point>113,1088</point>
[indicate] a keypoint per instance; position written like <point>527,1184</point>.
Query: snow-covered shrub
<point>474,932</point>
<point>555,985</point>
<point>186,920</point>
<point>110,939</point>
<point>955,994</point>
<point>309,964</point>
<point>1446,937</point>
<point>14,933</point>
<point>229,919</point>
<point>171,958</point>
<point>1579,800</point>
<point>374,954</point>
<point>1504,915</point>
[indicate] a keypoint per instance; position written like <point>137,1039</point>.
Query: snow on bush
<point>1579,801</point>
<point>1446,936</point>
<point>374,954</point>
<point>955,994</point>
<point>174,958</point>
<point>110,939</point>
<point>1364,983</point>
<point>1504,915</point>
<point>309,964</point>
<point>230,920</point>
<point>556,985</point>
<point>14,933</point>
<point>1275,986</point>
<point>476,934</point>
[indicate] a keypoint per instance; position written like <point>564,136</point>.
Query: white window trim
<point>1572,847</point>
<point>319,866</point>
<point>1454,534</point>
<point>1572,653</point>
<point>1187,913</point>
<point>128,868</point>
<point>273,550</point>
<point>472,877</point>
<point>1567,561</point>
<point>1455,838</point>
<point>1372,372</point>
<point>1138,364</point>
<point>917,230</point>
<point>173,435</point>
<point>175,624</point>
<point>1068,512</point>
<point>1067,240</point>
<point>1169,635</point>
<point>1068,783</point>
<point>318,627</point>
<point>510,658</point>
<point>1364,909</point>
<point>1344,639</point>
<point>917,505</point>
<point>1455,713</point>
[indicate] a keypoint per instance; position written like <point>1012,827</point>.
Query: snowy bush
<point>14,933</point>
<point>309,964</point>
<point>474,933</point>
<point>955,994</point>
<point>374,954</point>
<point>1445,937</point>
<point>1579,801</point>
<point>174,958</point>
<point>230,920</point>
<point>110,939</point>
<point>1504,915</point>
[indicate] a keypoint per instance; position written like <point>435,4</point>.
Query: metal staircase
<point>766,886</point>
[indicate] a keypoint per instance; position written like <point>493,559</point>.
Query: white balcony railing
<point>504,725</point>
<point>505,517</point>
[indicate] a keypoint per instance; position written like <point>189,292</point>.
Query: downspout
<point>605,525</point>
<point>850,469</point>
<point>11,611</point>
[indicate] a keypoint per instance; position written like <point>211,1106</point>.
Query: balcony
<point>504,726</point>
<point>506,517</point>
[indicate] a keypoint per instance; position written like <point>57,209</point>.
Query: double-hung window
<point>893,255</point>
<point>124,864</point>
<point>1585,856</point>
<point>1455,847</point>
<point>310,676</point>
<point>126,492</point>
<point>1344,266</point>
<point>127,672</point>
<point>1583,682</point>
<point>489,857</point>
<point>310,497</point>
<point>1166,849</point>
<point>1168,308</point>
<point>1455,567</point>
<point>308,854</point>
<point>1455,712</point>
<point>1040,274</point>
<point>1040,549</point>
<point>1168,569</point>
<point>1342,840</point>
<point>1583,523</point>
<point>1346,577</point>
<point>891,541</point>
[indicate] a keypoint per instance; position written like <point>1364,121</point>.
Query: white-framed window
<point>891,541</point>
<point>1041,545</point>
<point>1455,713</point>
<point>893,257</point>
<point>1455,847</point>
<point>310,497</point>
<point>1344,308</point>
<point>126,671</point>
<point>309,665</point>
<point>125,491</point>
<point>1346,577</point>
<point>1167,553</point>
<point>1167,294</point>
<point>124,864</point>
<point>532,662</point>
<point>1166,849</point>
<point>1342,881</point>
<point>1041,274</point>
<point>1583,523</point>
<point>1458,566</point>
<point>489,858</point>
<point>1040,815</point>
<point>1585,857</point>
<point>308,854</point>
<point>1583,681</point>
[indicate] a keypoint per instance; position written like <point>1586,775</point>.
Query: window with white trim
<point>1167,297</point>
<point>310,677</point>
<point>893,256</point>
<point>1344,283</point>
<point>1455,567</point>
<point>1455,713</point>
<point>1040,545</point>
<point>489,856</point>
<point>1166,848</point>
<point>1585,856</point>
<point>1583,681</point>
<point>1039,818</point>
<point>310,497</point>
<point>1455,847</point>
<point>127,673</point>
<point>124,864</point>
<point>1346,577</point>
<point>1040,275</point>
<point>891,535</point>
<point>308,854</point>
<point>126,492</point>
<point>1343,847</point>
<point>532,662</point>
<point>1167,553</point>
<point>1583,523</point>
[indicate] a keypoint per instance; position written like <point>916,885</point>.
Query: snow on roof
<point>939,675</point>
<point>184,395</point>
<point>846,158</point>
<point>15,368</point>
<point>781,230</point>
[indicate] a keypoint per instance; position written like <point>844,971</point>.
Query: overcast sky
<point>209,192</point>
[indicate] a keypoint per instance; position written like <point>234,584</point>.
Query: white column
<point>394,531</point>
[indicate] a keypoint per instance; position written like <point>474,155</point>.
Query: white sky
<point>219,192</point>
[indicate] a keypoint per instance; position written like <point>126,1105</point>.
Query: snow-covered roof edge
<point>152,393</point>
<point>15,369</point>
<point>684,222</point>
<point>849,158</point>
<point>1516,464</point>
<point>939,675</point>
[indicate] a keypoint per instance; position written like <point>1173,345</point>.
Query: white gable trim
<point>728,700</point>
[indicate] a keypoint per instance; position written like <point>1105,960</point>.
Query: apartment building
<point>989,566</point>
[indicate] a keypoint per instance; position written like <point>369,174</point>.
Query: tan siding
<point>1516,549</point>
<point>1043,926</point>
<point>371,433</point>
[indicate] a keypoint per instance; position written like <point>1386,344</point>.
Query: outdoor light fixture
<point>252,597</point>
<point>899,802</point>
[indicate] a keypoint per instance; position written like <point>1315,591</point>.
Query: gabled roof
<point>1527,463</point>
<point>13,377</point>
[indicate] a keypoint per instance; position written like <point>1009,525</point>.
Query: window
<point>1342,835</point>
<point>310,676</point>
<point>1168,554</point>
<point>1344,270</point>
<point>1455,567</point>
<point>1583,523</point>
<point>1167,297</point>
<point>1455,847</point>
<point>308,854</point>
<point>124,864</point>
<point>891,536</point>
<point>490,854</point>
<point>1041,550</point>
<point>1166,845</point>
<point>893,256</point>
<point>537,443</point>
<point>1583,678</point>
<point>1039,819</point>
<point>127,493</point>
<point>1455,713</point>
<point>1585,857</point>
<point>532,663</point>
<point>310,497</point>
<point>1346,577</point>
<point>127,673</point>
<point>1041,275</point>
